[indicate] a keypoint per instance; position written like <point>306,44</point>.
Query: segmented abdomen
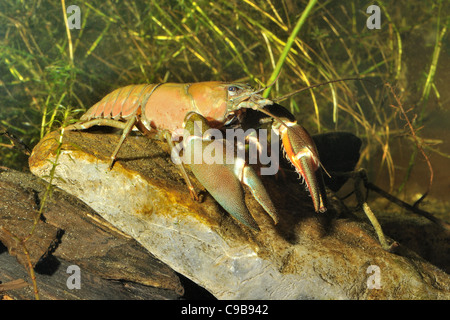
<point>121,103</point>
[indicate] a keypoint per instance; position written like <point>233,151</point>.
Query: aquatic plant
<point>48,68</point>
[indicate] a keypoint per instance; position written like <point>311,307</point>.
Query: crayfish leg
<point>168,138</point>
<point>96,122</point>
<point>126,131</point>
<point>125,126</point>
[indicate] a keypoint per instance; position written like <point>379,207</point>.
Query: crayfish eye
<point>233,90</point>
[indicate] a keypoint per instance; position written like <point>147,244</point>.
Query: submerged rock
<point>305,256</point>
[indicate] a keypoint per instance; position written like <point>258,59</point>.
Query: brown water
<point>418,49</point>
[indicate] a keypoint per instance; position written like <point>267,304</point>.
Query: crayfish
<point>170,110</point>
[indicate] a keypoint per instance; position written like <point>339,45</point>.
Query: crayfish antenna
<point>278,99</point>
<point>268,86</point>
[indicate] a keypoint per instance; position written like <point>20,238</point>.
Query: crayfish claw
<point>223,179</point>
<point>259,192</point>
<point>226,189</point>
<point>301,151</point>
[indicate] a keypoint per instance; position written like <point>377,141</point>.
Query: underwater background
<point>58,58</point>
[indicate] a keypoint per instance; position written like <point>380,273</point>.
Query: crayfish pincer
<point>163,110</point>
<point>223,175</point>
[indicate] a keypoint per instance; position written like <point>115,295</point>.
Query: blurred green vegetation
<point>44,72</point>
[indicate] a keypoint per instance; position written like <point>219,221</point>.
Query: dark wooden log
<point>112,265</point>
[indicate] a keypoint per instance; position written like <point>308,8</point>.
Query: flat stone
<point>306,256</point>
